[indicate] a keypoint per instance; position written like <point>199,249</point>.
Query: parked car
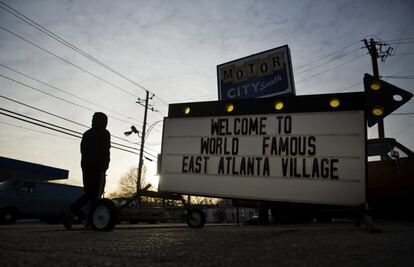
<point>36,200</point>
<point>134,213</point>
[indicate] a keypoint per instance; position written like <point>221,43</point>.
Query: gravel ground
<point>337,244</point>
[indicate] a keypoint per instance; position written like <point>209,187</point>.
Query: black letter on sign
<point>334,168</point>
<point>184,166</point>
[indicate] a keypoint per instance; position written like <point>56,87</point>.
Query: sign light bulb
<point>279,105</point>
<point>229,107</point>
<point>375,85</point>
<point>186,110</point>
<point>335,102</point>
<point>377,111</point>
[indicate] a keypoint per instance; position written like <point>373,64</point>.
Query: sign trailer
<point>304,149</point>
<point>283,149</point>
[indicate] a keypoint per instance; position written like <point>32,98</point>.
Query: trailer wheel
<point>104,215</point>
<point>196,218</point>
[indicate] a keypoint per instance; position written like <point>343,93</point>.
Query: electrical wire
<point>402,54</point>
<point>324,63</point>
<point>399,43</point>
<point>328,55</point>
<point>408,114</point>
<point>398,77</point>
<point>57,130</point>
<point>60,128</point>
<point>51,34</point>
<point>150,129</point>
<point>399,39</point>
<point>330,69</point>
<point>38,124</point>
<point>63,91</point>
<point>349,87</point>
<point>68,62</point>
<point>59,98</point>
<point>57,116</point>
<point>43,111</point>
<point>37,131</point>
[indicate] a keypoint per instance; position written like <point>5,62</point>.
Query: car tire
<point>104,215</point>
<point>196,218</point>
<point>8,215</point>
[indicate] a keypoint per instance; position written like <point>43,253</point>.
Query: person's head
<point>99,120</point>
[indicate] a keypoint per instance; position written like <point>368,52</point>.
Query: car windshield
<point>7,185</point>
<point>384,151</point>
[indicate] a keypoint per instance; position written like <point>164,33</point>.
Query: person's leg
<point>97,184</point>
<point>69,213</point>
<point>84,199</point>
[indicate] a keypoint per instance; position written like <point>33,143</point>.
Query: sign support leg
<point>367,219</point>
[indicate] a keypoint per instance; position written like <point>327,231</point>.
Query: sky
<point>172,49</point>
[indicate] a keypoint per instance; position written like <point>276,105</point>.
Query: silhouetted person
<point>95,146</point>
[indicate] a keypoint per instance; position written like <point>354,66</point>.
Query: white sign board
<point>314,157</point>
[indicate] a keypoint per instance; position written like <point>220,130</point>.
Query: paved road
<point>338,244</point>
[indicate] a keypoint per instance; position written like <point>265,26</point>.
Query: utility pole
<point>372,49</point>
<point>141,151</point>
<point>144,103</point>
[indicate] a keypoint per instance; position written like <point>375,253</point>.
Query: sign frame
<point>297,104</point>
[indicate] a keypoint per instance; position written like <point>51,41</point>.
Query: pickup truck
<point>21,199</point>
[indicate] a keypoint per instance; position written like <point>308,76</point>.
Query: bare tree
<point>127,186</point>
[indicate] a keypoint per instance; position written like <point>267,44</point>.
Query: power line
<point>57,116</point>
<point>400,39</point>
<point>402,42</point>
<point>68,62</point>
<point>349,87</point>
<point>37,131</point>
<point>408,114</point>
<point>63,91</point>
<point>70,45</point>
<point>57,97</point>
<point>151,128</point>
<point>324,63</point>
<point>402,54</point>
<point>328,55</point>
<point>38,124</point>
<point>43,111</point>
<point>59,128</point>
<point>325,71</point>
<point>40,121</point>
<point>398,77</point>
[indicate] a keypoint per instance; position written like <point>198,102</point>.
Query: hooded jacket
<point>95,144</point>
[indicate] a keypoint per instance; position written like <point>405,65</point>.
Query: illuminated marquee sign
<point>259,152</point>
<point>261,75</point>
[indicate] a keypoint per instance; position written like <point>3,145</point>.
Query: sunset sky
<point>172,48</point>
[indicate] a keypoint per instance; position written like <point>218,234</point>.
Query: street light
<point>133,130</point>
